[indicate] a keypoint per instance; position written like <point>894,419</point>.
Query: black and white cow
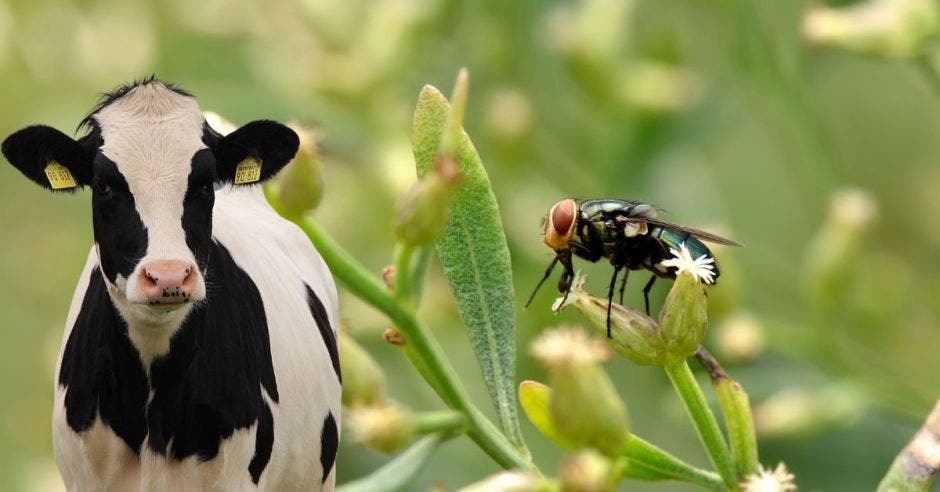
<point>200,348</point>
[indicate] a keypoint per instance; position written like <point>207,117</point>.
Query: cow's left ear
<point>254,152</point>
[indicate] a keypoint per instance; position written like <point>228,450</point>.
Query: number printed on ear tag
<point>248,171</point>
<point>59,176</point>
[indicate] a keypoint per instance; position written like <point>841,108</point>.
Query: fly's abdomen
<point>671,239</point>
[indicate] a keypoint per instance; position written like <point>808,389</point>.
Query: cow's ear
<point>254,152</point>
<point>49,157</point>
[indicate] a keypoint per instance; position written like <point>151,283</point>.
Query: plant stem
<point>434,422</point>
<point>420,347</point>
<point>403,282</point>
<point>914,468</point>
<point>705,423</point>
<point>736,411</point>
<point>650,458</point>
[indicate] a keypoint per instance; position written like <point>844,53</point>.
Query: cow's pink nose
<point>167,281</point>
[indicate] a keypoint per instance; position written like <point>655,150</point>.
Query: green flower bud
<point>659,88</point>
<point>585,408</point>
<point>535,399</point>
<point>895,29</point>
<point>586,471</point>
<point>739,338</point>
<point>386,427</point>
<point>512,481</point>
<point>423,212</point>
<point>798,413</point>
<point>633,334</point>
<point>363,379</point>
<point>833,254</point>
<point>683,318</point>
<point>299,187</point>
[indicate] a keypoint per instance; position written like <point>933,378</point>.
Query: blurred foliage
<point>722,112</point>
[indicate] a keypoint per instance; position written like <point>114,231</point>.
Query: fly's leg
<point>646,293</point>
<point>623,283</point>
<point>610,296</point>
<point>548,271</point>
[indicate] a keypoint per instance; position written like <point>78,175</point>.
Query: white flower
<point>577,284</point>
<point>765,480</point>
<point>702,268</point>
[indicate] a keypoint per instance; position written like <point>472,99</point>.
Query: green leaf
<point>398,473</point>
<point>474,256</point>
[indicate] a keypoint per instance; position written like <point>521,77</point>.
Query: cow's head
<point>152,163</point>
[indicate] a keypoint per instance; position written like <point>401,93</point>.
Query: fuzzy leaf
<point>475,257</point>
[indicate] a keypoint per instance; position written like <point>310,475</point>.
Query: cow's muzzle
<point>167,281</point>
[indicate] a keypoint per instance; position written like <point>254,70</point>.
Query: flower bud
<point>633,334</point>
<point>422,213</point>
<point>363,380</point>
<point>512,481</point>
<point>299,187</point>
<point>798,413</point>
<point>683,318</point>
<point>586,471</point>
<point>585,408</point>
<point>833,254</point>
<point>535,399</point>
<point>658,88</point>
<point>740,338</point>
<point>895,29</point>
<point>386,427</point>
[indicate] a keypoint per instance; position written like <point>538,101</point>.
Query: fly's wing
<point>705,236</point>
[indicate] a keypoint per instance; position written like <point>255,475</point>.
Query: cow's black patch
<point>326,331</point>
<point>102,370</point>
<point>329,441</point>
<point>197,207</point>
<point>208,385</point>
<point>119,231</point>
<point>264,442</point>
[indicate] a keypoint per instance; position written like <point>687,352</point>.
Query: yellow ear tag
<point>59,176</point>
<point>248,171</point>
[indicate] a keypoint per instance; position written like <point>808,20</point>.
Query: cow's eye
<point>104,190</point>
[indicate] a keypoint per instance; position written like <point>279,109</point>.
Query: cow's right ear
<point>49,157</point>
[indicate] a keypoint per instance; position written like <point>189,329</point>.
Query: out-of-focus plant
<point>453,209</point>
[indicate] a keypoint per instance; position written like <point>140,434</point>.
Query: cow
<point>200,351</point>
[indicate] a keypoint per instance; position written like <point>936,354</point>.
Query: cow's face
<point>152,163</point>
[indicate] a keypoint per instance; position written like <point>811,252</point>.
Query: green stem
<point>434,422</point>
<point>403,270</point>
<point>420,347</point>
<point>423,258</point>
<point>647,461</point>
<point>705,423</point>
<point>736,411</point>
<point>915,467</point>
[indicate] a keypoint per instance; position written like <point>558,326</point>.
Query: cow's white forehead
<point>151,127</point>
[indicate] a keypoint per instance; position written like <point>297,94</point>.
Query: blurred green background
<point>749,118</point>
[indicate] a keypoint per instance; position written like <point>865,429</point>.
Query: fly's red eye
<point>563,216</point>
